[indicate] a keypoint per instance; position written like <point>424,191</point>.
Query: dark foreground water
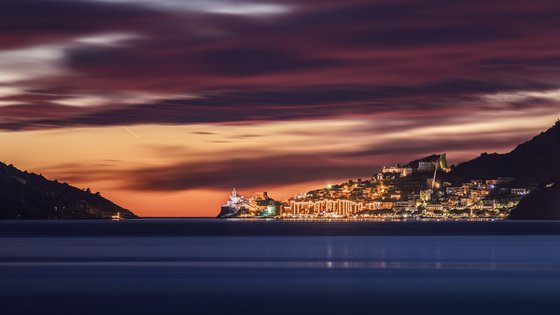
<point>224,267</point>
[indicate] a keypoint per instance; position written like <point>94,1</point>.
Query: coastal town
<point>421,189</point>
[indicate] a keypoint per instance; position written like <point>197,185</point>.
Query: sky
<point>165,106</point>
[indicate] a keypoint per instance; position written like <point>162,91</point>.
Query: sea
<point>215,266</point>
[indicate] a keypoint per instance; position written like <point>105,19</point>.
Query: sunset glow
<point>164,106</point>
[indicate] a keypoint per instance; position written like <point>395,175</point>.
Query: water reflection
<point>280,275</point>
<point>372,252</point>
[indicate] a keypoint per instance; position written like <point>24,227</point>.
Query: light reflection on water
<point>295,264</point>
<point>378,252</point>
<point>279,275</point>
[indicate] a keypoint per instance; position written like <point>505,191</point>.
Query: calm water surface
<point>176,271</point>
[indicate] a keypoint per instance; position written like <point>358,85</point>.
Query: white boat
<point>116,217</point>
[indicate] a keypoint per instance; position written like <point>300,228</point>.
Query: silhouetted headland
<point>26,195</point>
<point>542,204</point>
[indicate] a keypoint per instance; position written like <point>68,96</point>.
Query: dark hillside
<point>26,195</point>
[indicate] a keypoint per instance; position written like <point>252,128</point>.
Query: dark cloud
<point>251,61</point>
<point>203,133</point>
<point>552,62</point>
<point>243,173</point>
<point>321,59</point>
<point>278,170</point>
<point>430,36</point>
<point>418,148</point>
<point>281,104</point>
<point>34,22</point>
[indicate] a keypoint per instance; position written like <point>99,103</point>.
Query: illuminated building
<point>403,171</point>
<point>519,191</point>
<point>234,205</point>
<point>333,207</point>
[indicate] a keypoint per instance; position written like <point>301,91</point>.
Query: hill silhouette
<point>529,163</point>
<point>541,204</point>
<point>26,195</point>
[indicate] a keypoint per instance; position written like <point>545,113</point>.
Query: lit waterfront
<point>366,219</point>
<point>419,190</point>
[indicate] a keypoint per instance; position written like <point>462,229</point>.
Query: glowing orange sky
<point>120,164</point>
